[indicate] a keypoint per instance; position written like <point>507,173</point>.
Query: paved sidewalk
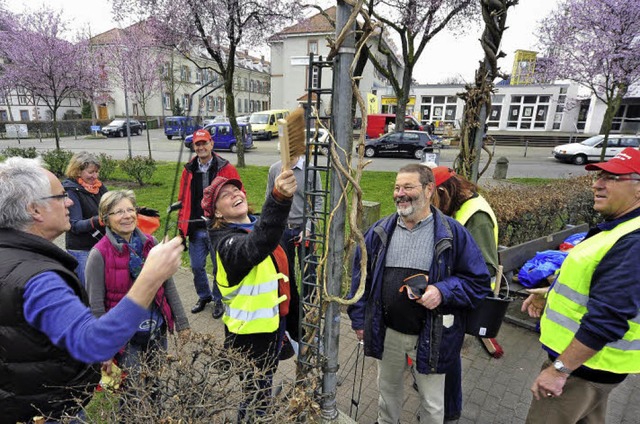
<point>495,390</point>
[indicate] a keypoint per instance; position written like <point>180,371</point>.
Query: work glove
<point>148,212</point>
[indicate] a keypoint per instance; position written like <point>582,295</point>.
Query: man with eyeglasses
<point>51,346</point>
<point>590,326</point>
<point>423,273</point>
<point>197,174</point>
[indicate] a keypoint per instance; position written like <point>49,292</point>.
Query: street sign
<point>95,127</point>
<point>299,60</point>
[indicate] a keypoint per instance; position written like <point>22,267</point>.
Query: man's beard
<point>415,204</point>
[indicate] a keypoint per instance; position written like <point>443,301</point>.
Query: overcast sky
<point>445,56</point>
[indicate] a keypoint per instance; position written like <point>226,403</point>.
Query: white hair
<point>23,182</point>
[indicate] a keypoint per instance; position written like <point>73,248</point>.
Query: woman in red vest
<point>114,264</point>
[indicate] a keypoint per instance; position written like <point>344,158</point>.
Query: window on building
<point>185,74</point>
<point>312,47</point>
<point>166,101</point>
<point>3,115</point>
<point>165,70</point>
<point>198,76</point>
<point>24,115</point>
<point>239,106</point>
<point>494,116</point>
<point>426,99</point>
<point>186,104</point>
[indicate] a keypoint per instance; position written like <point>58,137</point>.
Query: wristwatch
<point>559,366</point>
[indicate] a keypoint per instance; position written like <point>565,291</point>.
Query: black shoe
<point>200,304</point>
<point>218,309</point>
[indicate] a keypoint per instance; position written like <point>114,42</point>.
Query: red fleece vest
<point>118,281</point>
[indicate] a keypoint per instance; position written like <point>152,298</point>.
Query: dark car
<point>407,143</point>
<point>223,137</point>
<point>118,128</point>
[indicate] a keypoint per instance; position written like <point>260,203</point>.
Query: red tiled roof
<point>314,24</point>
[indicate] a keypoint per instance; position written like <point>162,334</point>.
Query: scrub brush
<point>292,138</point>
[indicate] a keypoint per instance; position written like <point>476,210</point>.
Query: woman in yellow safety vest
<point>252,278</point>
<point>458,197</point>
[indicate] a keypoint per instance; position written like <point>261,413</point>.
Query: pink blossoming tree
<point>39,60</point>
<point>595,43</point>
<point>216,30</point>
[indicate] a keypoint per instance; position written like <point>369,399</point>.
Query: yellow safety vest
<point>473,205</point>
<point>252,306</point>
<point>567,304</point>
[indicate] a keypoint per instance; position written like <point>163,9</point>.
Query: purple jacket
<point>118,281</point>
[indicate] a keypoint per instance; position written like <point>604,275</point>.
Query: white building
<point>182,77</point>
<point>289,82</point>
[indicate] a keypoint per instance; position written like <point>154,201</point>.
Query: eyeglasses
<point>120,213</point>
<point>611,177</point>
<point>406,188</point>
<point>63,196</point>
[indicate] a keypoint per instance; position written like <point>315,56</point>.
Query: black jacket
<point>35,375</point>
<point>81,235</point>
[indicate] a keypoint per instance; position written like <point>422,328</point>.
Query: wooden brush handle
<point>496,287</point>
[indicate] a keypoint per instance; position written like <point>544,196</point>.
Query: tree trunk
<point>403,98</point>
<point>56,134</point>
<point>231,114</point>
<point>146,125</point>
<point>610,113</point>
<point>477,97</point>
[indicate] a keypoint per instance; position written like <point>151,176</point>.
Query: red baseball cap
<point>211,193</point>
<point>625,162</point>
<point>442,174</point>
<point>201,135</point>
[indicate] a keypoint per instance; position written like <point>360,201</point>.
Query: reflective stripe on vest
<point>567,304</point>
<point>473,205</point>
<point>252,305</point>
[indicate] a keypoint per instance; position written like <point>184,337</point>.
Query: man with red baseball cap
<point>196,176</point>
<point>591,326</point>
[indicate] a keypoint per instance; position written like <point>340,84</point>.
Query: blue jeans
<point>199,249</point>
<point>81,256</point>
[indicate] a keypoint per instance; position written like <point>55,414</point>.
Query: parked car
<point>223,137</point>
<point>412,143</point>
<point>264,124</point>
<point>179,126</point>
<point>590,149</point>
<point>243,119</point>
<point>118,128</point>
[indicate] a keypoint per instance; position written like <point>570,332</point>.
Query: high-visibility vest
<point>473,205</point>
<point>567,304</point>
<point>252,306</point>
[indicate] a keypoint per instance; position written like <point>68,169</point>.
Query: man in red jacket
<point>196,176</point>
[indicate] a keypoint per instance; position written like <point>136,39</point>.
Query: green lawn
<point>377,187</point>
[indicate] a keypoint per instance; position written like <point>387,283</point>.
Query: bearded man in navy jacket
<point>418,242</point>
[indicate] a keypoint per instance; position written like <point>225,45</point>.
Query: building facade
<point>180,78</point>
<point>290,76</point>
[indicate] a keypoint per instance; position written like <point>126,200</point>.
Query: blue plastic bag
<point>536,270</point>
